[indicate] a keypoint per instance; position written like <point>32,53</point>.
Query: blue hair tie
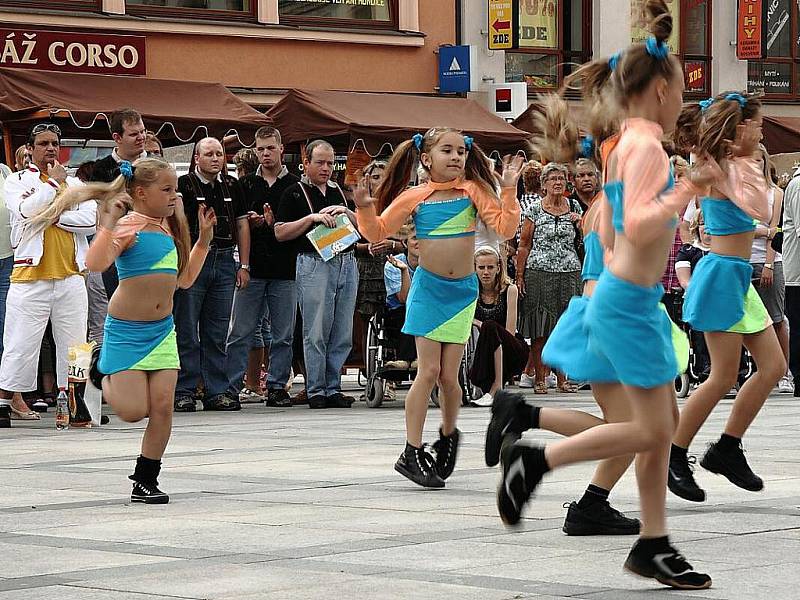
<point>417,138</point>
<point>739,98</point>
<point>587,146</point>
<point>126,170</point>
<point>614,61</point>
<point>706,104</point>
<point>468,142</point>
<point>656,48</point>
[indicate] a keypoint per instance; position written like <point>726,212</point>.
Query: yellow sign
<point>639,23</point>
<point>503,24</point>
<point>538,24</point>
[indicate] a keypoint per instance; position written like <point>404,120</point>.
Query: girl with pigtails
<point>568,350</point>
<point>721,300</point>
<point>625,321</point>
<point>441,303</point>
<point>142,229</point>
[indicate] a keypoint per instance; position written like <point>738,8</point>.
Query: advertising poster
<point>538,24</point>
<point>640,20</point>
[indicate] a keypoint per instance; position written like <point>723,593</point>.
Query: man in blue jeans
<point>326,291</point>
<point>272,270</point>
<point>202,313</point>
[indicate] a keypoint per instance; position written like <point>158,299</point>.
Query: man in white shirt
<point>791,270</point>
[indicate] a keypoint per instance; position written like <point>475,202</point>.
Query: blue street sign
<point>454,69</point>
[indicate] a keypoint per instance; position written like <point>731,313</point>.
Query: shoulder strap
<point>305,193</point>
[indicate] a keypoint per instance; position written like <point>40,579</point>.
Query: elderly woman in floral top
<point>548,267</point>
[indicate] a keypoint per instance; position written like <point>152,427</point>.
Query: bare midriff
<point>642,265</point>
<point>143,298</point>
<point>449,257</point>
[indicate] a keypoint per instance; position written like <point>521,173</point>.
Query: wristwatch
<point>768,266</point>
<point>245,267</point>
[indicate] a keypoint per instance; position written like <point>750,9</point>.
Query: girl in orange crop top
<point>721,300</point>
<point>142,227</point>
<point>441,304</point>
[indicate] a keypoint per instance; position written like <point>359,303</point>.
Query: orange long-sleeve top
<point>500,215</point>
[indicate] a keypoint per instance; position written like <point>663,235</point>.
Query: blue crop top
<point>615,192</point>
<point>593,260</point>
<point>445,219</point>
<point>152,252</point>
<point>723,217</point>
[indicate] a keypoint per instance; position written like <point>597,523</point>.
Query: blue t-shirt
<point>392,279</point>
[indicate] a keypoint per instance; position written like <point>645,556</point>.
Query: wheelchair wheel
<point>374,392</point>
<point>372,352</point>
<point>435,396</point>
<point>682,385</point>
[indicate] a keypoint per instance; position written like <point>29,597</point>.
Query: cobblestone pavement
<point>299,504</point>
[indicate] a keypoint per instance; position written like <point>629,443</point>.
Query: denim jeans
<point>202,315</point>
<point>6,266</point>
<point>326,292</point>
<point>278,296</point>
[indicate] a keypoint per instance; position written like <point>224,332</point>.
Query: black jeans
<point>793,313</point>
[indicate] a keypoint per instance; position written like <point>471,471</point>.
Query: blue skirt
<point>721,297</point>
<point>627,325</point>
<point>439,308</point>
<point>138,346</point>
<point>568,349</point>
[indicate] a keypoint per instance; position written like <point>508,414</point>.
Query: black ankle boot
<point>5,416</point>
<point>446,448</point>
<point>145,482</point>
<point>95,376</point>
<point>418,465</point>
<point>730,462</point>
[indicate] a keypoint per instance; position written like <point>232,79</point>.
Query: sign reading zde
<point>503,24</point>
<point>73,52</point>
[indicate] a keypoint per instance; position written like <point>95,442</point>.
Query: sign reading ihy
<point>751,26</point>
<point>73,52</point>
<point>503,24</point>
<point>454,69</point>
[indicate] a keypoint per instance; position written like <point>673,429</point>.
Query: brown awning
<point>782,134</point>
<point>377,118</point>
<point>179,111</point>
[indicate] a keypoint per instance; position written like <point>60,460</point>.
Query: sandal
<point>540,387</point>
<point>568,388</point>
<point>23,415</point>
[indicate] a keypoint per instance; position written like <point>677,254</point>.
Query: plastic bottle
<point>62,410</point>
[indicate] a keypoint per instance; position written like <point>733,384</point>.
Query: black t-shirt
<point>214,195</point>
<point>269,258</point>
<point>105,170</point>
<point>294,207</point>
<point>689,254</point>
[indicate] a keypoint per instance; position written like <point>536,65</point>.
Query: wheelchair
<point>699,360</point>
<point>380,348</point>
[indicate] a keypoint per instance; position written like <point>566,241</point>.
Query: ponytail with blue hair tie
<point>418,138</point>
<point>613,62</point>
<point>738,98</point>
<point>126,170</point>
<point>706,104</point>
<point>468,142</point>
<point>656,48</point>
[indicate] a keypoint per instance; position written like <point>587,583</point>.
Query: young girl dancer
<point>624,319</point>
<point>138,361</point>
<point>441,303</point>
<point>721,301</point>
<point>568,350</point>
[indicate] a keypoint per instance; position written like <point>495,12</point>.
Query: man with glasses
<point>47,282</point>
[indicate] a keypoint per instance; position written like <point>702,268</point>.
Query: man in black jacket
<point>202,312</point>
<point>272,265</point>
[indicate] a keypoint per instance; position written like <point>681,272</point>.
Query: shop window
<point>358,13</point>
<point>776,75</point>
<point>555,37</point>
<point>690,39</point>
<point>210,9</point>
<point>84,5</point>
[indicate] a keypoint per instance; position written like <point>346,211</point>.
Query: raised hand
<point>748,135</point>
<point>705,172</point>
<point>206,220</point>
<point>361,194</point>
<point>113,210</point>
<point>57,171</point>
<point>512,169</point>
<point>269,216</point>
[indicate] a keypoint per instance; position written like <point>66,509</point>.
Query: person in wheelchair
<point>685,262</point>
<point>397,275</point>
<point>500,354</point>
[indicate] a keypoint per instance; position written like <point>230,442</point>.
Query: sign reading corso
<point>503,24</point>
<point>73,52</point>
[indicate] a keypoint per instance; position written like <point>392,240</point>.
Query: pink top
<point>745,186</point>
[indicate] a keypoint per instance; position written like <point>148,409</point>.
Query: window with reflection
<point>359,13</point>
<point>777,74</point>
<point>211,9</point>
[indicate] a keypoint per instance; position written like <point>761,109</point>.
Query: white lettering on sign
<point>92,55</point>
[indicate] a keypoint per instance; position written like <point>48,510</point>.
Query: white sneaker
<point>551,380</point>
<point>526,381</point>
<point>485,400</point>
<point>785,385</point>
<point>389,392</point>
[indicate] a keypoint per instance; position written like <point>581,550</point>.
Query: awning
<point>782,134</point>
<point>178,111</point>
<point>378,119</point>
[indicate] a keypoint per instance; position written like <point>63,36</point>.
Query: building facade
<point>257,48</point>
<point>557,35</point>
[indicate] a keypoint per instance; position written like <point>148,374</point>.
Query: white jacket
<point>25,196</point>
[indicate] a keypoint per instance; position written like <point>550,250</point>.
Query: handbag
<point>580,248</point>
